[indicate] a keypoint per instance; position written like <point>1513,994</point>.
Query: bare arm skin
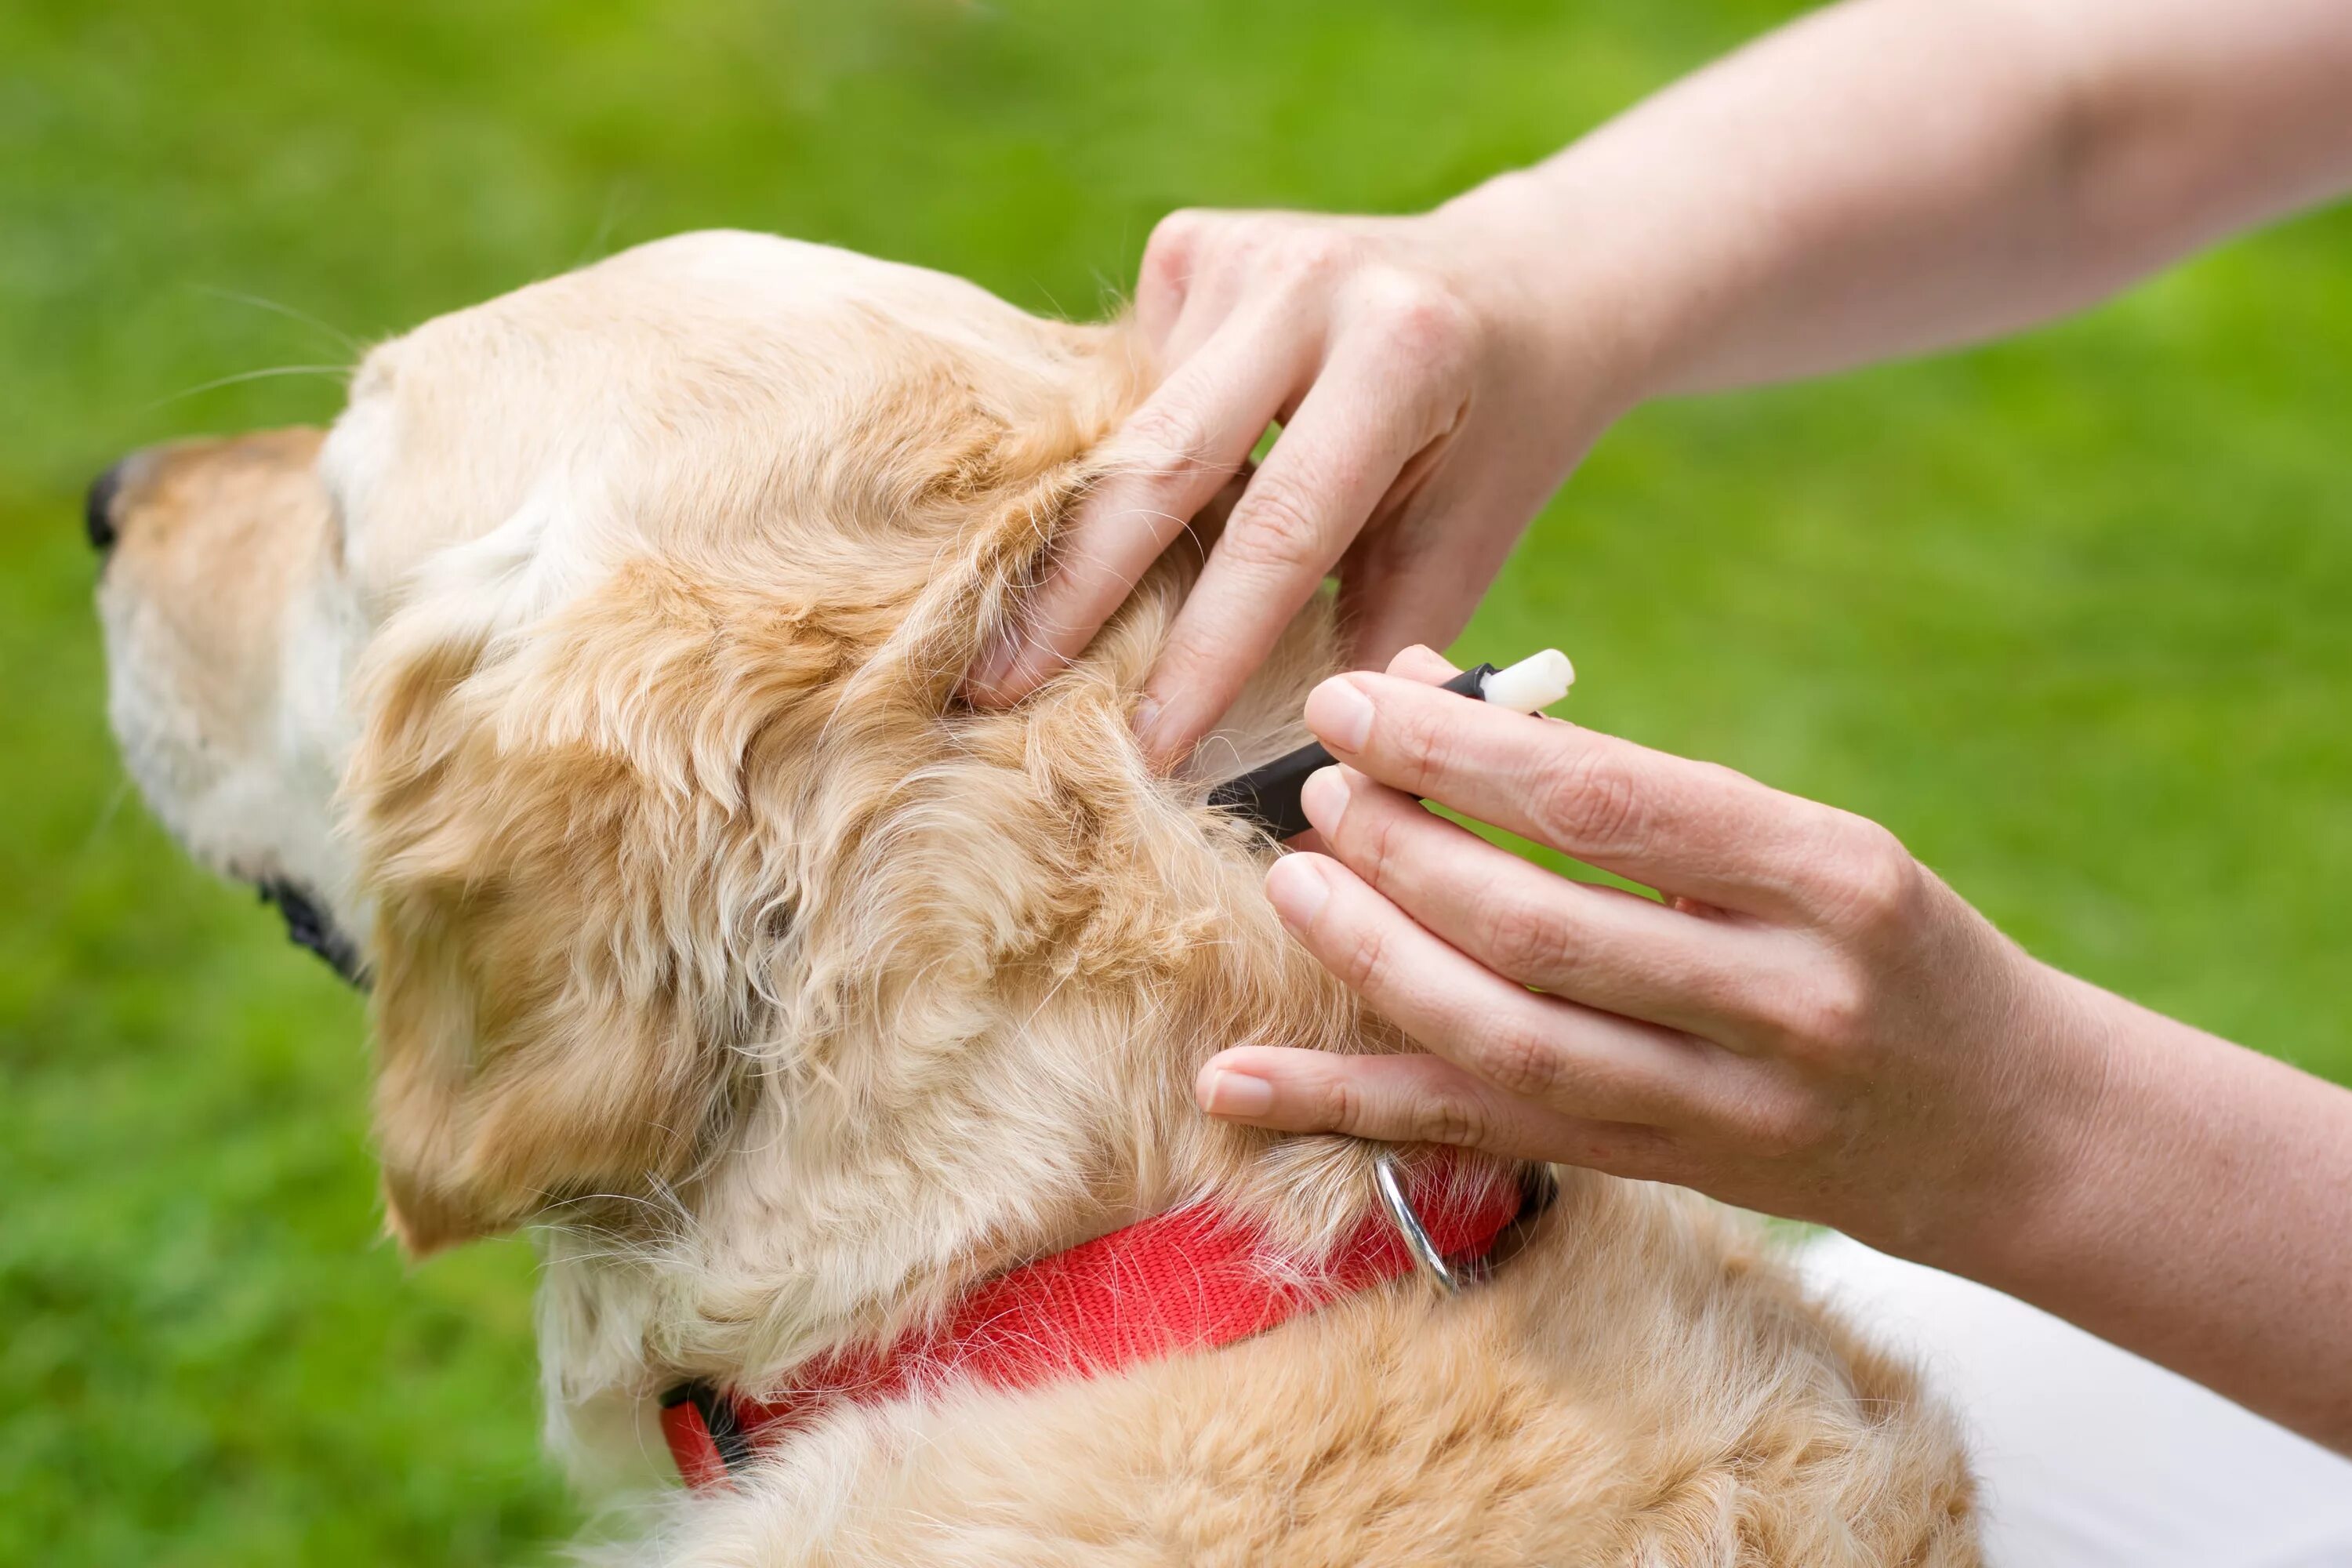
<point>1899,175</point>
<point>1884,177</point>
<point>1813,1025</point>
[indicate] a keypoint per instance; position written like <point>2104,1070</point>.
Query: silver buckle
<point>1388,1175</point>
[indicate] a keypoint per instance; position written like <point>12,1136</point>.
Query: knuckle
<point>1528,943</point>
<point>1375,840</point>
<point>1421,318</point>
<point>1590,802</point>
<point>1827,1017</point>
<point>1364,964</point>
<point>1345,1107</point>
<point>1175,239</point>
<point>1447,1119</point>
<point>1273,526</point>
<point>1872,884</point>
<point>1309,254</point>
<point>1165,436</point>
<point>1244,241</point>
<point>1520,1059</point>
<point>1417,745</point>
<point>1837,1014</point>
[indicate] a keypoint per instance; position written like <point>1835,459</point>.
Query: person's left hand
<point>1812,1024</point>
<point>1429,401</point>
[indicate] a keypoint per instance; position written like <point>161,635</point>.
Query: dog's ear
<point>586,840</point>
<point>514,1073</point>
<point>587,828</point>
<point>570,886</point>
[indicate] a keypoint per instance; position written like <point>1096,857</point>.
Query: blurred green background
<point>2069,613</point>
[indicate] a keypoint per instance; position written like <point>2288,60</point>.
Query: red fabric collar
<point>1193,1279</point>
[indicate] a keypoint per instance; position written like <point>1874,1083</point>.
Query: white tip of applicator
<point>1531,684</point>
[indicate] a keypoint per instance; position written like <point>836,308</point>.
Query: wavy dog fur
<point>786,997</point>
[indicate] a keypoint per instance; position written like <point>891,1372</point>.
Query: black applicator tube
<point>1268,796</point>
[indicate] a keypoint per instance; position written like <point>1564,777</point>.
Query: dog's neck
<point>1012,1077</point>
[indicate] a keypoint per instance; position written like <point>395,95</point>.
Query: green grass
<point>2068,614</point>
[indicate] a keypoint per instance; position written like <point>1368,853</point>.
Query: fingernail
<point>988,672</point>
<point>1230,1093</point>
<point>1325,798</point>
<point>1297,889</point>
<point>1146,724</point>
<point>1339,714</point>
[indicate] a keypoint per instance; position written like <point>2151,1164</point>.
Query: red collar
<point>1193,1279</point>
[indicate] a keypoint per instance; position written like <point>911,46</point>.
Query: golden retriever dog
<point>590,692</point>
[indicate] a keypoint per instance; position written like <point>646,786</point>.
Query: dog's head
<point>591,684</point>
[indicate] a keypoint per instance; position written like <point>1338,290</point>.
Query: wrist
<point>1553,291</point>
<point>1591,266</point>
<point>2032,1178</point>
<point>2188,1205</point>
<point>2078,1183</point>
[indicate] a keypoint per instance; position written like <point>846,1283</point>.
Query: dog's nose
<point>97,511</point>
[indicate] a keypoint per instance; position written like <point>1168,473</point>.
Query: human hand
<point>1812,1025</point>
<point>1428,410</point>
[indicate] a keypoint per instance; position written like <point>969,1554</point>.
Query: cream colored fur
<point>784,996</point>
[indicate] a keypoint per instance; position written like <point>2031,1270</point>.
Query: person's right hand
<point>1428,409</point>
<point>1811,1024</point>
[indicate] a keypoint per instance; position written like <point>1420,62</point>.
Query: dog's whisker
<point>594,250</point>
<point>107,815</point>
<point>258,302</point>
<point>245,375</point>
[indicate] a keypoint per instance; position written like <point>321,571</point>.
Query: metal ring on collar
<point>1387,1176</point>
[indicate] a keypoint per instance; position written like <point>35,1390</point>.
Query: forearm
<point>2205,1221</point>
<point>1889,176</point>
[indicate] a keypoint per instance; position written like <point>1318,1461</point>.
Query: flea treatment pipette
<point>1269,795</point>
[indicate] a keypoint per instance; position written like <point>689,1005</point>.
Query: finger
<point>1196,273</point>
<point>1307,843</point>
<point>1165,464</point>
<point>1415,663</point>
<point>1601,946</point>
<point>1689,829</point>
<point>1569,1058</point>
<point>1178,324</point>
<point>1339,455</point>
<point>1423,663</point>
<point>1408,1099</point>
<point>1163,283</point>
